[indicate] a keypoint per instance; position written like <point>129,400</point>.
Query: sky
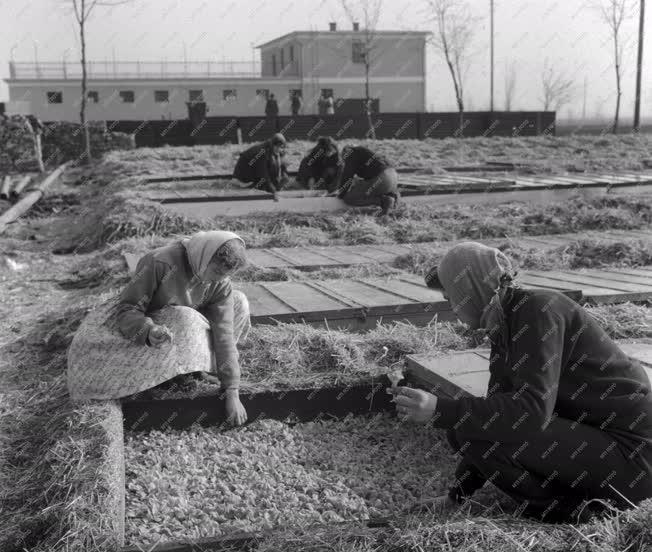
<point>569,34</point>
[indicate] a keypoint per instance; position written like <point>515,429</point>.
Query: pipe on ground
<point>20,208</point>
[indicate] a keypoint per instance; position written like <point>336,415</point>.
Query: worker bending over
<point>178,315</point>
<point>567,416</point>
<point>263,165</point>
<point>318,170</point>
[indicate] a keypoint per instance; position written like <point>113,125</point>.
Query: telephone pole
<point>491,101</point>
<point>639,67</point>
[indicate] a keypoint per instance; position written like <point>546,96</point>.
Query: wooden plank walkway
<point>315,257</point>
<point>343,256</point>
<point>466,373</point>
<point>359,304</point>
<point>417,189</point>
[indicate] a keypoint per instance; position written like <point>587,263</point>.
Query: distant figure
<point>318,170</point>
<point>296,103</point>
<point>366,178</point>
<point>321,103</point>
<point>271,107</point>
<point>330,106</point>
<point>263,165</point>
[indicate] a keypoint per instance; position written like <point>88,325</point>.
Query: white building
<point>309,63</point>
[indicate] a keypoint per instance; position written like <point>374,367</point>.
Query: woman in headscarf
<point>318,169</point>
<point>263,165</point>
<point>567,416</point>
<point>178,315</point>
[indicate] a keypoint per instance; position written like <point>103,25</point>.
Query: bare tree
<point>614,13</point>
<point>510,84</point>
<point>557,89</point>
<point>451,39</point>
<point>83,10</point>
<point>368,13</point>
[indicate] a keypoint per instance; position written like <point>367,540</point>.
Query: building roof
<point>340,33</point>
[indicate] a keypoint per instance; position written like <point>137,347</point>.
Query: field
<point>57,479</point>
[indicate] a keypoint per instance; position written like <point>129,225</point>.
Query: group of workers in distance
<point>357,175</point>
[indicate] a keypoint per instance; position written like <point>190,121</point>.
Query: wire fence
<point>147,69</point>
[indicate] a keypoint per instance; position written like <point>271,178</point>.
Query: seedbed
<point>200,483</point>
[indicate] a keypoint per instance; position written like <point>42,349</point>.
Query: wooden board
<point>358,304</point>
<point>456,375</point>
<point>595,287</point>
<point>350,255</point>
<point>234,206</point>
<point>466,373</point>
<point>295,405</point>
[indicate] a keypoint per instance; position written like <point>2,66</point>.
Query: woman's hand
<point>235,413</point>
<point>158,335</point>
<point>414,405</point>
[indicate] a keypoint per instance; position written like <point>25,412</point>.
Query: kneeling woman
<point>567,416</point>
<point>177,315</point>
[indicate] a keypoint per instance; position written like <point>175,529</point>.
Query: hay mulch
<point>292,356</point>
<point>61,469</point>
<point>591,252</point>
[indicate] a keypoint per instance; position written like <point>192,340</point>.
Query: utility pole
<point>639,68</point>
<point>491,102</point>
<point>584,103</point>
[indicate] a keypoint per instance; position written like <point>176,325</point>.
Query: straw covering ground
<point>56,479</point>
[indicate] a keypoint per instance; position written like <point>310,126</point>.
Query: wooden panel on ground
<point>292,405</point>
<point>466,373</point>
<point>234,206</point>
<point>456,375</point>
<point>597,289</point>
<point>316,257</point>
<point>344,304</point>
<point>360,304</point>
<point>641,352</point>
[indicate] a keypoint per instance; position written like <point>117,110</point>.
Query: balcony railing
<point>144,70</point>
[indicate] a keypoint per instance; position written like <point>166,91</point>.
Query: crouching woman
<point>178,315</point>
<point>567,416</point>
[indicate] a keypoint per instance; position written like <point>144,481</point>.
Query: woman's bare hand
<point>158,335</point>
<point>414,405</point>
<point>236,414</point>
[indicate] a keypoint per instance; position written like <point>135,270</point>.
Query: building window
<point>93,96</point>
<point>162,96</point>
<point>55,97</point>
<point>291,53</point>
<point>127,96</point>
<point>262,93</point>
<point>282,58</point>
<point>229,95</point>
<point>357,53</point>
<point>274,64</point>
<point>196,96</point>
<point>327,92</point>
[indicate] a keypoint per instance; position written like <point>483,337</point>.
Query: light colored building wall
<point>326,56</point>
<point>111,107</point>
<point>405,95</point>
<point>288,52</point>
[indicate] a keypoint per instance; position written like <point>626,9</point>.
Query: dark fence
<point>404,126</point>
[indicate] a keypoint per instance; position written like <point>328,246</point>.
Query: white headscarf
<point>201,247</point>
